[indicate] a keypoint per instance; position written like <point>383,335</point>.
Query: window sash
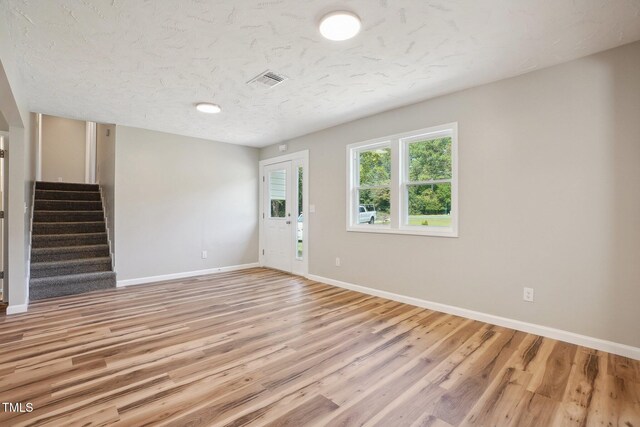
<point>430,136</point>
<point>355,207</point>
<point>404,220</point>
<point>356,162</point>
<point>356,188</point>
<point>406,183</point>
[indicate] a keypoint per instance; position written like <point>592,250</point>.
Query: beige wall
<point>106,172</point>
<point>549,199</point>
<point>18,217</point>
<point>177,196</point>
<point>63,149</point>
<point>19,173</point>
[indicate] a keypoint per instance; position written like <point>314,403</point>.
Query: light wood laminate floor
<point>260,347</point>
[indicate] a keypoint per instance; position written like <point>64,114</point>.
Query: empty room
<point>320,213</point>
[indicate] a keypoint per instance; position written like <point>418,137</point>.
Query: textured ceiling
<point>145,63</point>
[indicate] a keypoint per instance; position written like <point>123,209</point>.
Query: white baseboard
<point>545,331</point>
<point>15,309</point>
<point>151,279</point>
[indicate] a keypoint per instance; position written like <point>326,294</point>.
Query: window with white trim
<point>372,184</point>
<point>405,183</point>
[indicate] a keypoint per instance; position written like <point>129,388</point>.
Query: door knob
<point>288,222</point>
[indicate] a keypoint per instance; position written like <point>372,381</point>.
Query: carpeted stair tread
<point>67,205</point>
<point>64,253</point>
<point>69,244</point>
<point>86,261</point>
<point>41,228</point>
<point>60,240</point>
<point>68,249</point>
<point>66,186</point>
<point>67,195</point>
<point>73,277</point>
<point>74,266</point>
<point>50,287</point>
<point>68,216</point>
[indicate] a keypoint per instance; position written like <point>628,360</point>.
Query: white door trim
<point>90,153</point>
<point>300,156</point>
<point>39,147</point>
<point>3,247</point>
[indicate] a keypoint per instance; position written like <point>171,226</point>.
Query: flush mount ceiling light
<point>206,107</point>
<point>338,26</point>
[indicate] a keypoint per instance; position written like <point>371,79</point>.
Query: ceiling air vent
<point>267,79</point>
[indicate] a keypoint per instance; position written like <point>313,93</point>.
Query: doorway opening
<point>66,150</point>
<point>284,219</point>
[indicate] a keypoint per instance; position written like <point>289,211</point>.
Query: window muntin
<point>409,180</point>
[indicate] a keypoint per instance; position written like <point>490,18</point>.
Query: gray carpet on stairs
<point>60,240</point>
<point>67,216</point>
<point>49,228</point>
<point>67,195</point>
<point>65,253</point>
<point>67,205</point>
<point>69,247</point>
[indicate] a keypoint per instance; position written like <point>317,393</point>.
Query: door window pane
<point>278,193</point>
<point>429,205</point>
<point>300,222</point>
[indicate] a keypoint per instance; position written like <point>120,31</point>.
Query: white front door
<point>4,140</point>
<point>279,225</point>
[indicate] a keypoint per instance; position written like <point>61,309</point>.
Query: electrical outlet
<point>337,262</point>
<point>59,179</point>
<point>528,294</point>
<point>204,254</point>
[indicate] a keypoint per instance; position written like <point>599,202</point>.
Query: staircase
<point>69,247</point>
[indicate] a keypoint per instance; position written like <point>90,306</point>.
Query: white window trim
<point>399,178</point>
